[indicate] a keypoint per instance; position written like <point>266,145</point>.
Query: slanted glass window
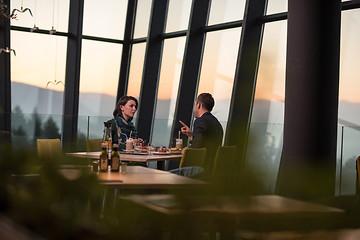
<point>136,69</point>
<point>178,15</point>
<point>99,77</point>
<point>266,128</point>
<point>222,11</point>
<point>218,69</point>
<point>168,89</point>
<point>37,86</point>
<point>349,99</point>
<point>277,6</point>
<point>105,18</point>
<point>45,14</point>
<point>143,10</point>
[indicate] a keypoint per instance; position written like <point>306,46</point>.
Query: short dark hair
<point>206,100</point>
<point>122,102</point>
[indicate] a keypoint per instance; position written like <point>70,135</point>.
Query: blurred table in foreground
<point>230,212</point>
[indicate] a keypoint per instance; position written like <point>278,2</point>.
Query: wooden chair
<point>225,160</point>
<point>193,157</point>
<point>49,147</point>
<point>93,145</point>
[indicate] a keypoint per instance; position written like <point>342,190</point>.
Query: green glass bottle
<point>115,158</point>
<point>103,158</point>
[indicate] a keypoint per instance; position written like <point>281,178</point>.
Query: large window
<point>136,70</point>
<point>99,77</point>
<point>45,14</point>
<point>105,18</point>
<point>168,89</point>
<point>349,100</point>
<point>143,10</point>
<point>265,135</point>
<point>178,15</point>
<point>218,69</point>
<point>226,11</point>
<point>277,6</point>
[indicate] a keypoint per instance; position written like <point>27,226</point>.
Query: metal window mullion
<point>72,77</point>
<point>5,80</point>
<point>151,71</point>
<point>190,72</point>
<point>245,77</point>
<point>126,51</point>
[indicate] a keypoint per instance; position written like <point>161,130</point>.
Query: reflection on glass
<point>349,98</point>
<point>26,128</point>
<point>218,69</point>
<point>351,147</point>
<point>105,19</point>
<point>168,88</point>
<point>178,15</point>
<point>142,18</point>
<point>99,77</point>
<point>136,70</point>
<point>45,14</point>
<point>226,11</point>
<point>36,67</point>
<point>270,85</point>
<point>264,153</point>
<point>277,6</point>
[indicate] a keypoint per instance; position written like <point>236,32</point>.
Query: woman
<point>122,126</point>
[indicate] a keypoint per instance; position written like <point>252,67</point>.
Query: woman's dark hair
<point>122,101</point>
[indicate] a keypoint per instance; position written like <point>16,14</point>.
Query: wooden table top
<point>254,213</point>
<point>235,205</point>
<point>130,157</point>
<point>138,177</point>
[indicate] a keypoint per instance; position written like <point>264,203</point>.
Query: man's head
<point>204,103</point>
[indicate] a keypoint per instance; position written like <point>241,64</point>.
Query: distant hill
<point>47,101</point>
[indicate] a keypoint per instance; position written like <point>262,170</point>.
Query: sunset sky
<point>41,58</point>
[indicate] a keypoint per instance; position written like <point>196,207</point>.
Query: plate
<point>161,153</point>
<point>175,152</point>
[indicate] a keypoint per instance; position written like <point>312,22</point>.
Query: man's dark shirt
<point>207,133</point>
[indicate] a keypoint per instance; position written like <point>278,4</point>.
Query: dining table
<point>132,156</point>
<point>228,213</point>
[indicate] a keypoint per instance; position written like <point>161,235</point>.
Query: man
<point>207,132</point>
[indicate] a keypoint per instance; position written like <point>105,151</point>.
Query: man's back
<point>207,133</point>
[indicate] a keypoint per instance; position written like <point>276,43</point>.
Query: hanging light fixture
<point>7,50</point>
<point>53,30</point>
<point>22,10</point>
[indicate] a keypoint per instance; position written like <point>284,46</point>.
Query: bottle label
<point>115,163</point>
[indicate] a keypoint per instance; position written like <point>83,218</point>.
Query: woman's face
<point>128,109</point>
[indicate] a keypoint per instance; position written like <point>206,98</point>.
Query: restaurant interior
<point>284,76</point>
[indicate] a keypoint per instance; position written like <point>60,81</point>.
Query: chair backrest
<point>49,147</point>
<point>193,157</point>
<point>225,160</point>
<point>188,171</point>
<point>93,145</point>
<point>358,174</point>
